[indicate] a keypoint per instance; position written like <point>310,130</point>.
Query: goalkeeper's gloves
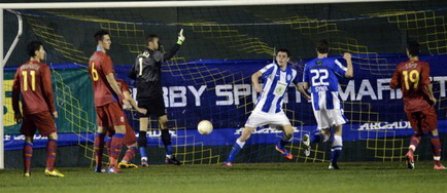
<point>181,38</point>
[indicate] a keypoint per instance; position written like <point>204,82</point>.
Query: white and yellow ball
<point>205,127</point>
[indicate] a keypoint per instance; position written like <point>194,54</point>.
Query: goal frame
<point>131,4</point>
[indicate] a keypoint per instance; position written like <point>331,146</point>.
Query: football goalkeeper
<point>147,73</point>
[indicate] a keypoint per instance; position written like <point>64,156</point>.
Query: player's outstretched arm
<point>255,81</point>
<point>350,70</point>
<point>181,38</point>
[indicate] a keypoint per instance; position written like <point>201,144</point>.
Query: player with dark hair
<point>32,86</point>
<point>147,73</point>
<point>413,78</point>
<point>108,99</point>
<point>321,75</point>
<point>322,46</point>
<point>277,76</point>
<point>130,139</point>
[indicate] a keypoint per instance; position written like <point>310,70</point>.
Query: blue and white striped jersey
<point>322,76</point>
<point>275,85</point>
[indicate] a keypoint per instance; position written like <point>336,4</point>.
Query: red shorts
<point>110,115</point>
<point>43,121</point>
<point>129,137</point>
<point>423,121</point>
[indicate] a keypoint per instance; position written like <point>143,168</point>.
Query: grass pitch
<point>364,177</point>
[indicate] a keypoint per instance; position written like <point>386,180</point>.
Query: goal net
<point>209,79</point>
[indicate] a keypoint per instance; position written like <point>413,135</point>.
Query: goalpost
<point>92,5</point>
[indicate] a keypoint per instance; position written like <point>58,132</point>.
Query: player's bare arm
<point>112,81</point>
<point>302,88</point>
<point>350,72</point>
<point>132,103</point>
<point>255,81</point>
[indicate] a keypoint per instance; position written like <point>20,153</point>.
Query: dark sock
<point>335,153</point>
<point>166,138</point>
<point>99,149</point>
<point>142,143</point>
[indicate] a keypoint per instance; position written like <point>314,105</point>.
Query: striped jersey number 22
<point>319,77</point>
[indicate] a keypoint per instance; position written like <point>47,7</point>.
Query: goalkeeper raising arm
<point>147,73</point>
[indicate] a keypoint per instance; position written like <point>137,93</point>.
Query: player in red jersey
<point>32,84</point>
<point>108,96</point>
<point>413,78</point>
<point>130,139</point>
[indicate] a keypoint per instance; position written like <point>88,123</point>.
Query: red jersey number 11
<point>25,80</point>
<point>411,79</point>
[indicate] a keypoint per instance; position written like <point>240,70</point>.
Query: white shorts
<point>259,119</point>
<point>328,118</point>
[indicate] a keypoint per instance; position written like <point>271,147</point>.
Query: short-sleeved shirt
<point>322,76</point>
<point>276,81</point>
<point>100,65</point>
<point>32,82</point>
<point>412,77</point>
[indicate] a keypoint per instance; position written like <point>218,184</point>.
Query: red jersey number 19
<point>411,79</point>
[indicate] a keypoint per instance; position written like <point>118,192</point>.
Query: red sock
<point>414,141</point>
<point>99,149</point>
<point>51,153</point>
<point>108,144</point>
<point>436,148</point>
<point>27,155</point>
<point>115,148</point>
<point>130,154</point>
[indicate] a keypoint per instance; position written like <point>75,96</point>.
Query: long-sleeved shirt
<point>147,72</point>
<point>32,84</point>
<point>413,78</point>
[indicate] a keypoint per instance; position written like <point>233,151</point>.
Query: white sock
<point>240,143</point>
<point>338,141</point>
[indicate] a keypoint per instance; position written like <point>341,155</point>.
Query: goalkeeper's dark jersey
<point>147,72</point>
